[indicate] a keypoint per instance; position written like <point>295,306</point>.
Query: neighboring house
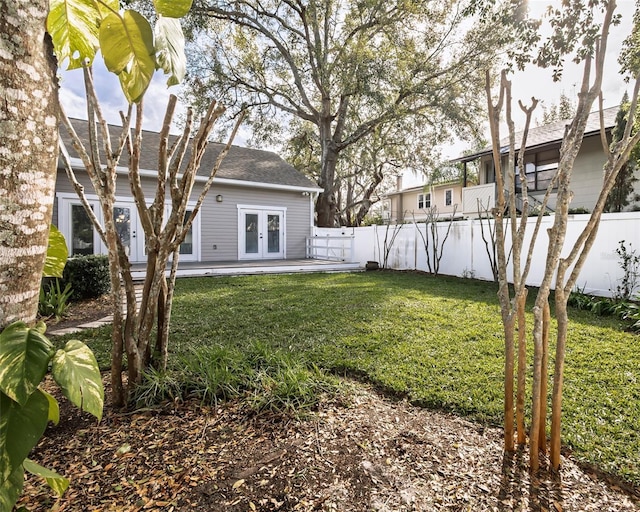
<point>541,162</point>
<point>441,199</point>
<point>259,206</point>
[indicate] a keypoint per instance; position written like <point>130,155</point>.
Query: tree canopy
<point>623,192</point>
<point>343,71</point>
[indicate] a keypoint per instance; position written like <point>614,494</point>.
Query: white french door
<point>261,233</point>
<point>83,239</point>
<point>125,216</point>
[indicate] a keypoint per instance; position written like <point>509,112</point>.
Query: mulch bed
<point>369,453</point>
<point>82,312</point>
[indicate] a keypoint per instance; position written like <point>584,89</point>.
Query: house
<point>541,162</point>
<point>259,206</point>
<point>443,199</point>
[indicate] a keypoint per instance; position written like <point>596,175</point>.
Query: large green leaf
<point>172,8</point>
<point>54,408</point>
<point>24,357</point>
<point>11,489</point>
<point>57,254</point>
<point>170,55</point>
<point>75,369</point>
<point>21,427</point>
<point>73,26</point>
<point>58,483</point>
<point>127,46</point>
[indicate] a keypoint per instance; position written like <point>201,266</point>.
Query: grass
<point>437,341</point>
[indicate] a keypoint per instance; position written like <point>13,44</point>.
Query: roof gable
<point>551,133</point>
<point>240,164</point>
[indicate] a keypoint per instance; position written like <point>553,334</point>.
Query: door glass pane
<point>186,247</point>
<point>81,231</point>
<point>251,233</point>
<point>273,230</point>
<point>122,218</point>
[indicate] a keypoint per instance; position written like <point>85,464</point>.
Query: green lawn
<point>436,340</point>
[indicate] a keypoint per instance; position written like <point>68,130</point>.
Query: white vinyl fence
<point>465,255</point>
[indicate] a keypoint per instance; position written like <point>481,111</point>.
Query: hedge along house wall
<point>464,252</point>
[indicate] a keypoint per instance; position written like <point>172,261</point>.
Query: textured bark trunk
<point>536,391</point>
<point>28,154</point>
<point>558,378</point>
<point>509,328</point>
<point>326,210</point>
<point>542,433</point>
<point>521,301</point>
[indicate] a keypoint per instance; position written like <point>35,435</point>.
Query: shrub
<point>88,276</point>
<point>630,265</point>
<point>54,301</point>
<point>579,210</point>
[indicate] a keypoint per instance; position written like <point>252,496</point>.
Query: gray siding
<point>586,181</point>
<point>219,221</point>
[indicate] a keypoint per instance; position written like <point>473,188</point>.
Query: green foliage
<point>79,27</point>
<point>54,301</point>
<point>169,47</point>
<point>73,28</point>
<point>126,42</point>
<point>264,378</point>
<point>25,354</point>
<point>623,192</point>
<point>58,483</point>
<point>74,369</point>
<point>630,264</point>
<point>437,341</point>
<point>603,306</point>
<point>360,106</point>
<point>578,211</point>
<point>565,109</point>
<point>57,254</point>
<point>629,58</point>
<point>88,276</point>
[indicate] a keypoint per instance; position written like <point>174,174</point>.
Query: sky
<point>531,82</point>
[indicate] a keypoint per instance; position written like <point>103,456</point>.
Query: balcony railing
<point>483,196</point>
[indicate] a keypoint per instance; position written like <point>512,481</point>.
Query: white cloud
<point>112,100</point>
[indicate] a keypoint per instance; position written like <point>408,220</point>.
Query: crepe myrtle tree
<point>133,51</point>
<point>574,31</point>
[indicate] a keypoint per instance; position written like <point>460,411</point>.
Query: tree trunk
<point>558,377</point>
<point>521,301</point>
<point>28,156</point>
<point>509,326</point>
<point>326,208</point>
<point>542,432</point>
<point>536,391</point>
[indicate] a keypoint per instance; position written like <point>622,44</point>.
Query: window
<point>424,201</point>
<point>540,169</point>
<point>81,231</point>
<point>489,173</point>
<point>448,197</point>
<point>186,247</point>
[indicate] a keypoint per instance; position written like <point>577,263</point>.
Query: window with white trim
<point>448,197</point>
<point>424,201</point>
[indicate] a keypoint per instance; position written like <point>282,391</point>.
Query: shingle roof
<point>551,133</point>
<point>242,164</point>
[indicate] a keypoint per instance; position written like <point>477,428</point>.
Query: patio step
<point>252,268</point>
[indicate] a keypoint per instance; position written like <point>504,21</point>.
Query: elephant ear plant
<point>25,409</point>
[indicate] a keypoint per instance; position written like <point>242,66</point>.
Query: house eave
<point>76,163</point>
<point>549,144</point>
